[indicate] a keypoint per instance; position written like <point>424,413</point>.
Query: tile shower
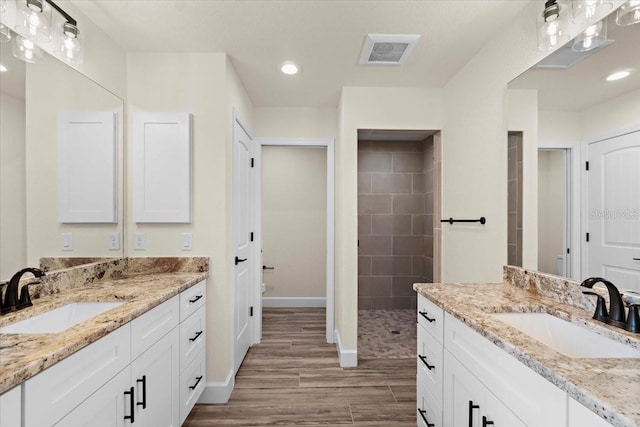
<point>395,221</point>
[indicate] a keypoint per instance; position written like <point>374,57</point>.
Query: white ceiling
<point>324,36</point>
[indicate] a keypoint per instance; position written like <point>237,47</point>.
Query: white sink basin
<point>59,319</point>
<point>565,337</point>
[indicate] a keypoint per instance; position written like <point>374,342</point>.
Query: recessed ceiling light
<point>618,75</point>
<point>290,68</point>
<point>3,68</point>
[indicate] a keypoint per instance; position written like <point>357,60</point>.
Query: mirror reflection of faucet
<point>12,301</point>
<point>616,315</point>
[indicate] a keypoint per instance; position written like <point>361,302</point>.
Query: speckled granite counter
<point>609,387</point>
<point>141,283</point>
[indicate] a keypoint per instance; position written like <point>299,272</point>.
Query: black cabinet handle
<point>192,300</point>
<point>424,417</point>
<point>264,267</point>
<point>195,336</point>
<point>239,260</point>
<point>144,392</point>
<point>486,422</point>
<point>132,406</point>
<point>424,314</point>
<point>636,259</point>
<point>424,360</point>
<point>193,387</point>
<point>471,408</point>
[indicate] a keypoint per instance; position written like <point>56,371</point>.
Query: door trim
<point>330,266</point>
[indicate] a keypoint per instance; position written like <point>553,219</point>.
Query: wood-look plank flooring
<point>293,378</point>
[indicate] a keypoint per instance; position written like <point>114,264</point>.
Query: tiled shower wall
<point>514,199</point>
<point>395,233</point>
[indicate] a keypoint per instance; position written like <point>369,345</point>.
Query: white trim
<point>330,265</point>
<point>347,358</point>
<point>612,134</point>
<point>284,302</point>
<point>218,392</point>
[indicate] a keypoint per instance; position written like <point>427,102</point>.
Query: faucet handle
<point>633,319</point>
<point>601,307</point>
<point>25,298</point>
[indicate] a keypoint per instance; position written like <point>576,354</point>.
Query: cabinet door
<point>494,410</point>
<point>463,395</point>
<point>579,416</point>
<point>105,408</point>
<point>155,377</point>
<point>11,407</point>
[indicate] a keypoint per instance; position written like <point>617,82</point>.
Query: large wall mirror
<point>583,117</point>
<point>31,97</point>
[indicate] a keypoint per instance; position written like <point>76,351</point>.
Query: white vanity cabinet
<point>579,416</point>
<point>132,376</point>
<point>429,364</point>
<point>11,407</point>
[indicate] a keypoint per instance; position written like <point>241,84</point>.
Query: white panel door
<point>614,210</point>
<point>87,167</point>
<point>242,149</point>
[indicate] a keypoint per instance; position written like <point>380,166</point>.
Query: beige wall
<point>620,113</point>
<point>551,213</point>
<point>367,108</point>
<point>294,218</point>
<point>294,122</point>
<point>13,248</point>
<point>206,86</point>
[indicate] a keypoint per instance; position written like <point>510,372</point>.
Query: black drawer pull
<point>424,417</point>
<point>239,260</point>
<point>144,392</point>
<point>424,360</point>
<point>486,422</point>
<point>132,406</point>
<point>196,336</point>
<point>424,314</point>
<point>192,300</point>
<point>471,408</point>
<point>193,387</point>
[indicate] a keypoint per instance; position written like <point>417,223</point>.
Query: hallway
<point>293,378</point>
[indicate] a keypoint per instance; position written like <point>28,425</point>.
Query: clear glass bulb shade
<point>589,11</point>
<point>628,13</point>
<point>71,50</point>
<point>34,24</point>
<point>5,34</point>
<point>26,50</point>
<point>551,32</point>
<point>592,37</point>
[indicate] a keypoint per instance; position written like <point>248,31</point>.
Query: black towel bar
<point>481,220</point>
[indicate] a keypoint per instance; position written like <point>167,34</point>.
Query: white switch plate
<point>139,241</point>
<point>114,241</point>
<point>66,241</point>
<point>187,240</point>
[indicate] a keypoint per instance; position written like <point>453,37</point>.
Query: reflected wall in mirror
<point>579,112</point>
<point>31,96</point>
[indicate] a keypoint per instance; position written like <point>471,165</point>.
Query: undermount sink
<point>565,337</point>
<point>59,319</point>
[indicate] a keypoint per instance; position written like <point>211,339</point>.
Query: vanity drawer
<point>192,382</point>
<point>431,410</point>
<point>430,363</point>
<point>147,329</point>
<point>431,318</point>
<point>192,337</point>
<point>192,299</point>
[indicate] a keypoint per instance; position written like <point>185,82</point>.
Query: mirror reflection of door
<point>553,212</point>
<point>613,250</point>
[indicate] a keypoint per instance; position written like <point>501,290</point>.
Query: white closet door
<point>87,167</point>
<point>162,167</point>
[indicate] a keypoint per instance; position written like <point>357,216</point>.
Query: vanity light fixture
<point>290,68</point>
<point>618,75</point>
<point>628,13</point>
<point>5,33</point>
<point>551,32</point>
<point>594,36</point>
<point>588,11</point>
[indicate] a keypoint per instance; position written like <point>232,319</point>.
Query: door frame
<point>257,205</point>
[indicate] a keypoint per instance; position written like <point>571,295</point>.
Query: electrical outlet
<point>66,241</point>
<point>187,240</point>
<point>114,241</point>
<point>139,241</point>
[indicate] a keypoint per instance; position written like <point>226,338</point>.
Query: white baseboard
<point>284,302</point>
<point>218,392</point>
<point>348,358</point>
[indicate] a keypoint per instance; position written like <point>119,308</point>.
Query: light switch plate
<point>114,241</point>
<point>66,241</point>
<point>187,240</point>
<point>139,241</point>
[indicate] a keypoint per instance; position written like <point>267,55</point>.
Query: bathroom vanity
<point>479,364</point>
<point>142,361</point>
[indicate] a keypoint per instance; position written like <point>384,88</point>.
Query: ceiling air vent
<point>387,49</point>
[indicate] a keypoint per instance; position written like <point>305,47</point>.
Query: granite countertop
<point>23,356</point>
<point>609,387</point>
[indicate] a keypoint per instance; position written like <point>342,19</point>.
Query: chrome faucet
<point>616,314</point>
<point>11,300</point>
